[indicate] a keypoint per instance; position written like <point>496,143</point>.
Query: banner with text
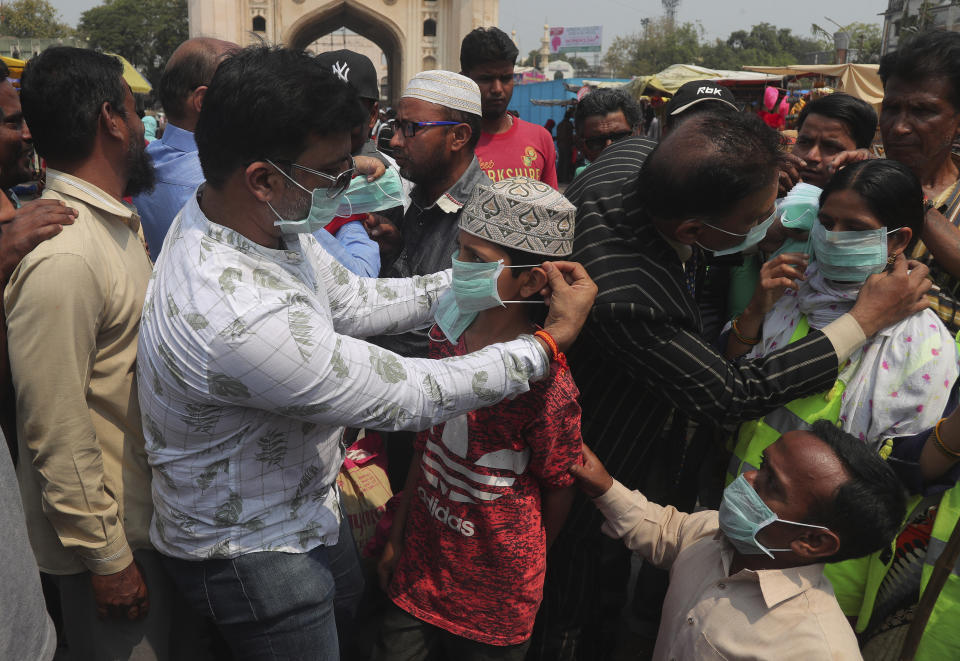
<point>576,40</point>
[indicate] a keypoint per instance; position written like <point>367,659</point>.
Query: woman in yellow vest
<point>898,383</point>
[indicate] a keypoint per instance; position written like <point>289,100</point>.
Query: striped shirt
<point>640,357</point>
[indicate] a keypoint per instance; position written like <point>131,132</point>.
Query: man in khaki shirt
<point>741,590</point>
<point>73,312</point>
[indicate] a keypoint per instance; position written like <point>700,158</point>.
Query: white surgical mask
<point>743,514</point>
<point>751,238</point>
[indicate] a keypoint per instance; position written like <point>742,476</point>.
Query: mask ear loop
<point>346,197</point>
<point>891,258</point>
<point>769,551</point>
<point>294,181</point>
<point>280,220</point>
<point>395,199</point>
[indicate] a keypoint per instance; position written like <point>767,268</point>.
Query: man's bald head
<point>708,164</point>
<point>191,66</point>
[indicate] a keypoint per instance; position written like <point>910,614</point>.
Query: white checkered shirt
<point>249,368</point>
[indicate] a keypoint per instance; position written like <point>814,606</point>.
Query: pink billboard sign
<point>576,40</point>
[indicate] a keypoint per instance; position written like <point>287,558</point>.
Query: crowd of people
<point>700,404</point>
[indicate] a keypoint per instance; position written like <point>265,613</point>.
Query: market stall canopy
<point>138,84</point>
<point>859,80</point>
<point>135,80</point>
<point>673,77</point>
<point>602,84</point>
<point>554,102</point>
<point>16,69</point>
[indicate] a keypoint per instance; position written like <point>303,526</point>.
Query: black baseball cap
<point>355,69</point>
<point>698,91</point>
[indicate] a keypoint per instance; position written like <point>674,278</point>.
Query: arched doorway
<point>362,21</point>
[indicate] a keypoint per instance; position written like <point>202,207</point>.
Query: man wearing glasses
<point>250,362</point>
<point>436,131</point>
<point>602,118</point>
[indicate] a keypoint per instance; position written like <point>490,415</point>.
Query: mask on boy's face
<point>474,288</point>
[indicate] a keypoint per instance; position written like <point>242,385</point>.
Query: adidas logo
<point>442,514</point>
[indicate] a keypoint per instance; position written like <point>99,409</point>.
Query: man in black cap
<point>357,70</point>
<point>695,97</point>
<point>692,99</point>
<point>360,253</point>
<point>646,214</point>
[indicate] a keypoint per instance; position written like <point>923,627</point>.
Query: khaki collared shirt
<point>73,313</point>
<point>708,614</point>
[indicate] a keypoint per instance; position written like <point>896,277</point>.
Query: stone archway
<point>360,19</point>
<point>413,34</point>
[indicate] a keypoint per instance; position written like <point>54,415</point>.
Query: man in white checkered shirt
<point>249,366</point>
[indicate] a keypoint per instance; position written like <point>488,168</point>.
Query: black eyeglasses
<point>600,141</point>
<point>338,184</point>
<point>409,129</point>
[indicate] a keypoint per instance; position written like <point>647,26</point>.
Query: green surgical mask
<point>474,288</point>
<point>798,210</point>
<point>323,209</point>
<point>369,196</point>
<point>850,256</point>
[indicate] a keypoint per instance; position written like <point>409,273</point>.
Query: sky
<point>718,18</point>
<point>622,17</point>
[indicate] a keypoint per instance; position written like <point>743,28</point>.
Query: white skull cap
<point>445,88</point>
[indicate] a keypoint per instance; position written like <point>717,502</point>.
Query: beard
<point>140,175</point>
<point>424,171</point>
<point>293,206</point>
<point>25,169</point>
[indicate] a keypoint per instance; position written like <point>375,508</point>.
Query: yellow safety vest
<point>755,436</point>
<point>856,583</point>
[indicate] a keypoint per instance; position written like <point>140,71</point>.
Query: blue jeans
<point>272,605</point>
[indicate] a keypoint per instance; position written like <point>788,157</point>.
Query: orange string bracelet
<point>556,354</point>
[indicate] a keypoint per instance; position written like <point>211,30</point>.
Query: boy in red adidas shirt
<point>488,491</point>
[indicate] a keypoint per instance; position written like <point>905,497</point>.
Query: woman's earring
<point>892,258</point>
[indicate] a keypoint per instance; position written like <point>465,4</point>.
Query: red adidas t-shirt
<point>474,552</point>
<point>524,150</point>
